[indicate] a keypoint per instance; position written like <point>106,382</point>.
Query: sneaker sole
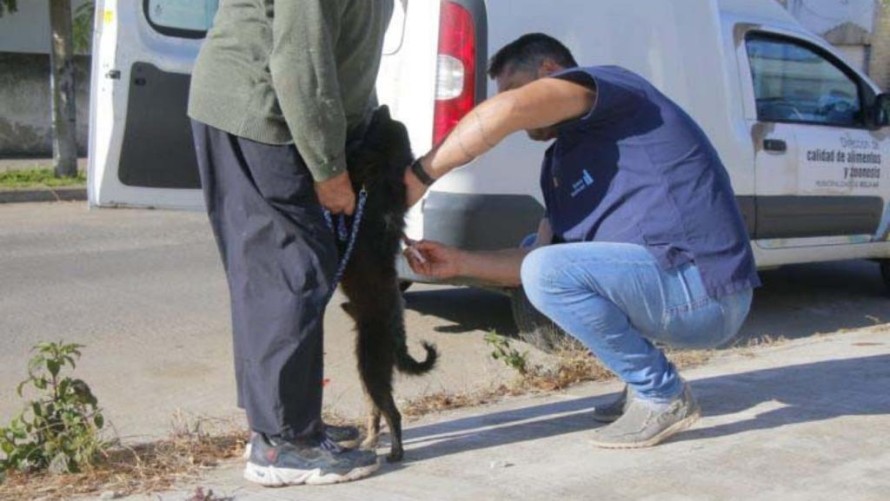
<point>269,476</point>
<point>675,428</point>
<point>604,418</point>
<point>346,444</point>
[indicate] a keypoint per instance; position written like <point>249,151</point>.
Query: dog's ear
<point>380,120</point>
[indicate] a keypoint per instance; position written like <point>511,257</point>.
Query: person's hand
<point>415,189</point>
<point>336,195</point>
<point>433,259</point>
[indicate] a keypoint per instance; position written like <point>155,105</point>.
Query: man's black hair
<point>528,52</point>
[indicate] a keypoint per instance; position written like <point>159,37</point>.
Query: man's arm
<point>437,260</point>
<point>542,103</point>
<point>501,267</point>
<point>304,74</point>
<point>545,234</point>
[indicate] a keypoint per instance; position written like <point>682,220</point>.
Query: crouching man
<point>642,238</point>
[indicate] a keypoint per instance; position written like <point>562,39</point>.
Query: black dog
<point>370,281</point>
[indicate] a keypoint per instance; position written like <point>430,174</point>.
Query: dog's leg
<point>385,405</point>
<point>376,361</point>
<point>373,437</point>
<point>394,422</point>
<point>377,379</point>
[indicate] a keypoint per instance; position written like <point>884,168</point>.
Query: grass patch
<point>38,178</point>
<point>192,446</point>
<point>444,401</point>
<point>571,367</point>
<point>749,347</point>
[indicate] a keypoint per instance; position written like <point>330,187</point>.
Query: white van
<point>803,134</point>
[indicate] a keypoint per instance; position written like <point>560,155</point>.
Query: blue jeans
<point>616,299</point>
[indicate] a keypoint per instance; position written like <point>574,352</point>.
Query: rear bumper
<point>476,222</point>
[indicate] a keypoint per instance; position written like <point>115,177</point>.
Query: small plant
<point>502,350</point>
<point>8,6</point>
<point>59,429</point>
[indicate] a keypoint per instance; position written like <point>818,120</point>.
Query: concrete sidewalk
<point>806,419</point>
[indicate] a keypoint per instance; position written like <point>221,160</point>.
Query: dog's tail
<point>406,363</point>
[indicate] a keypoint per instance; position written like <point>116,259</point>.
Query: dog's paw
<point>395,455</point>
<point>370,442</point>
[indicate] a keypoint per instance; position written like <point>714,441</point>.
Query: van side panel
<point>677,45</point>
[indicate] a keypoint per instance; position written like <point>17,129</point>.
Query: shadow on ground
<point>802,300</point>
<point>846,388</point>
<point>795,301</point>
<point>468,309</point>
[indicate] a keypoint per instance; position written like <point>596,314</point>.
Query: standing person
<point>651,243</point>
<point>277,90</point>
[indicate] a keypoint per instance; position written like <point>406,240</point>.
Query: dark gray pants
<point>280,259</point>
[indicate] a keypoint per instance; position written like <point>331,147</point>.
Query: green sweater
<point>291,71</point>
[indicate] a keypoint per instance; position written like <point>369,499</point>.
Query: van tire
<point>885,272</point>
<point>535,328</point>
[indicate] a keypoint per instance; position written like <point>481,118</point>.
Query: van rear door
<point>141,151</point>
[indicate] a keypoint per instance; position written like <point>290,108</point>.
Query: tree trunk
<point>62,87</point>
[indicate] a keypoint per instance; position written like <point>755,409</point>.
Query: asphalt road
<point>144,291</point>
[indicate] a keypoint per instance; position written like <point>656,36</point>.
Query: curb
<point>43,195</point>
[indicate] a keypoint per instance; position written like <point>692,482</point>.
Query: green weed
<point>59,429</point>
<point>502,350</point>
<point>29,178</point>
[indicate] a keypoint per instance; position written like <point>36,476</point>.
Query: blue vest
<point>637,169</point>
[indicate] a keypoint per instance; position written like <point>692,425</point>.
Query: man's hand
<point>433,259</point>
<point>415,189</point>
<point>336,195</point>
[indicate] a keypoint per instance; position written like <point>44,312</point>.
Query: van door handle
<point>776,145</point>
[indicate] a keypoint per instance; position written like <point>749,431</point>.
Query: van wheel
<point>885,272</point>
<point>536,329</point>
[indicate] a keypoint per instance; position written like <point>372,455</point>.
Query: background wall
<point>879,68</point>
<point>27,30</point>
<point>860,29</point>
<point>25,100</point>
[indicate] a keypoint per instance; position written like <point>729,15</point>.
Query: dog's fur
<point>370,281</point>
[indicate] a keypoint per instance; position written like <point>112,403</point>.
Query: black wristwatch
<point>421,174</point>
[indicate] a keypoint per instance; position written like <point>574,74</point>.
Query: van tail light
<point>456,69</point>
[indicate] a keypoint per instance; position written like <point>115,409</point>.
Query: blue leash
<point>343,233</point>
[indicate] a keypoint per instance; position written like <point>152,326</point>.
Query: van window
<point>181,18</point>
<point>794,82</point>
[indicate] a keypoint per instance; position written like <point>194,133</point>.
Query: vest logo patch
<point>582,184</point>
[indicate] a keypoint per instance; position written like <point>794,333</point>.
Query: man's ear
<point>548,67</point>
